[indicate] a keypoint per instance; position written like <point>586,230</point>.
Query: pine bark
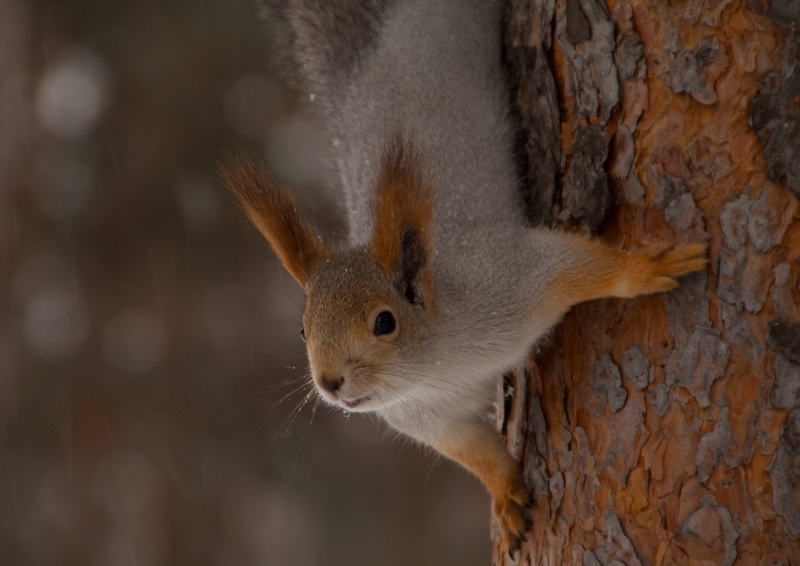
<point>665,429</point>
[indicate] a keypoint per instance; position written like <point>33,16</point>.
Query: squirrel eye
<point>384,323</point>
<point>303,334</point>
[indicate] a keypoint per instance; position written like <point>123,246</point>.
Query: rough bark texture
<point>666,429</point>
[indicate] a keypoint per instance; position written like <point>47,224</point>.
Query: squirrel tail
<point>316,44</point>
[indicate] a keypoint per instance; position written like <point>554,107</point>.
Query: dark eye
<point>384,323</point>
<point>303,334</point>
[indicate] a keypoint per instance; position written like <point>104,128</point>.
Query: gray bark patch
<point>616,546</point>
<point>785,390</point>
<point>738,331</point>
<point>784,337</point>
<point>622,149</point>
<point>775,117</point>
<point>712,446</point>
<point>670,188</point>
<point>528,37</point>
<point>534,464</point>
<point>733,220</point>
<point>627,55</point>
<point>781,294</point>
<point>586,192</point>
<point>686,219</point>
<point>711,529</point>
<point>785,473</point>
<point>637,367</point>
<point>658,398</point>
<point>785,13</point>
<point>690,71</point>
<point>592,80</point>
<point>680,210</point>
<point>578,28</point>
<point>589,559</point>
<point>763,222</point>
<point>606,387</point>
<point>688,307</point>
<point>697,364</point>
<point>743,280</point>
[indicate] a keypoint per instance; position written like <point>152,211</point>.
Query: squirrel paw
<point>511,513</point>
<point>654,269</point>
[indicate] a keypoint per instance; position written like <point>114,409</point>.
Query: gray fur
<point>468,302</point>
<point>418,316</point>
<point>434,69</point>
<point>318,45</point>
<point>430,69</point>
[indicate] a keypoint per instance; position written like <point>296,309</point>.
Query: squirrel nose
<point>332,384</point>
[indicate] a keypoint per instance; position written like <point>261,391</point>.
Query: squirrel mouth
<point>352,404</point>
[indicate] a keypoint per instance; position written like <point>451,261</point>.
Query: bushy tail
<point>317,44</point>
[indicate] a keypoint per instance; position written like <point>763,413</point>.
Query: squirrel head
<point>369,309</point>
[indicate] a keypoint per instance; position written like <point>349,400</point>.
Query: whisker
<point>314,410</point>
<point>285,383</point>
<point>285,397</point>
<point>289,422</point>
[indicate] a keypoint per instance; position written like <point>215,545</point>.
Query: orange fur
<point>481,451</point>
<point>274,212</point>
<point>608,272</point>
<point>404,200</point>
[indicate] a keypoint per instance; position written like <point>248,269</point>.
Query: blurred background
<point>151,374</point>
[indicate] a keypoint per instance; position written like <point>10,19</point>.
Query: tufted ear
<point>402,237</point>
<point>295,240</point>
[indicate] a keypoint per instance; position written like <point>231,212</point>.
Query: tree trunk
<point>665,429</point>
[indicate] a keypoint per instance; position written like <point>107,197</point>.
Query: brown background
<point>149,353</point>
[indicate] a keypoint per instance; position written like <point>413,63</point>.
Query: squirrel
<point>443,285</point>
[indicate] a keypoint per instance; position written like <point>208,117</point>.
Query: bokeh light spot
<point>72,95</point>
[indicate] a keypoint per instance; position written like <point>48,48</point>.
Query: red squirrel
<point>442,286</point>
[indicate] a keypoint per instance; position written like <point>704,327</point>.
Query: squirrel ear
<point>295,241</point>
<point>402,238</point>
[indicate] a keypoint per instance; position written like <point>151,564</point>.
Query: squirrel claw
<point>513,519</point>
<point>655,268</point>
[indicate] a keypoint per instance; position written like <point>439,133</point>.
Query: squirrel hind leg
<point>512,513</point>
<point>479,449</point>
